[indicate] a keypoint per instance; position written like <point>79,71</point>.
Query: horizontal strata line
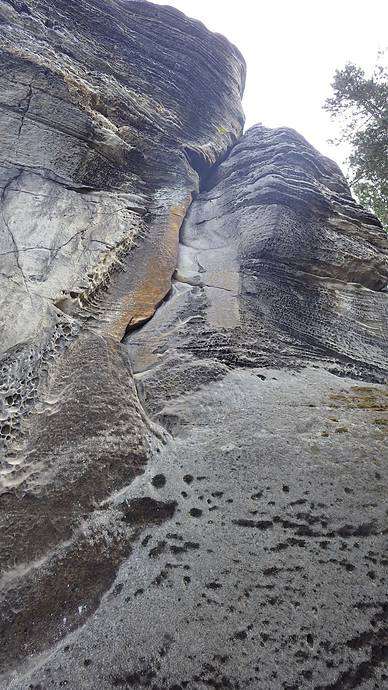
<point>300,272</point>
<point>59,127</point>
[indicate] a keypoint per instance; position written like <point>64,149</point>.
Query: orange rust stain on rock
<point>155,282</point>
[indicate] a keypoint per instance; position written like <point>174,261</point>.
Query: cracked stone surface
<point>103,133</point>
<point>194,403</point>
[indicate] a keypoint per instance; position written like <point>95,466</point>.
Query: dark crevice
<point>202,167</point>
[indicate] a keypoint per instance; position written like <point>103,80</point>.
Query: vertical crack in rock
<point>24,106</point>
<point>15,249</point>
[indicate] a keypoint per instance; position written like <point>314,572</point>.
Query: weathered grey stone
<point>194,417</point>
<point>104,112</point>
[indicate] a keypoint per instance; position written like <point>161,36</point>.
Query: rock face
<point>194,358</point>
<point>102,128</point>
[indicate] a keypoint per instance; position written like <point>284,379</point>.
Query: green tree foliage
<point>361,105</point>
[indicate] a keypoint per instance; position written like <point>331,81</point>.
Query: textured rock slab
<point>108,112</point>
<point>205,504</point>
<point>277,265</point>
<point>272,572</point>
<point>108,109</point>
<point>285,466</point>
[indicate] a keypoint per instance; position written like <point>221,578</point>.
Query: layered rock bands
<point>194,340</point>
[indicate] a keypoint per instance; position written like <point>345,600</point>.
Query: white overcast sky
<point>292,48</point>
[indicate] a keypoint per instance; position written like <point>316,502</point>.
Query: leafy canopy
<point>361,105</point>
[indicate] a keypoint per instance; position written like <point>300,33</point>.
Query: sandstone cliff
<point>194,356</point>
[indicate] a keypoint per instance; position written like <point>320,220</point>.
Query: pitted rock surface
<point>195,403</point>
